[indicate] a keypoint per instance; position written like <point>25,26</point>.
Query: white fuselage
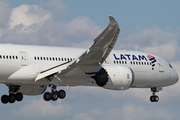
<point>20,64</point>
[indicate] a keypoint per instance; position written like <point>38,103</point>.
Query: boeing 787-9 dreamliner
<point>29,70</point>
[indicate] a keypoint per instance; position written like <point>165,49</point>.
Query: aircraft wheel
<point>47,96</point>
<point>156,98</point>
<point>5,99</point>
<point>19,96</point>
<point>152,98</point>
<point>12,98</point>
<point>61,94</point>
<point>54,96</point>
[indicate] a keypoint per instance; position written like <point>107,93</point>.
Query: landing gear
<point>54,95</point>
<point>13,96</point>
<point>155,98</point>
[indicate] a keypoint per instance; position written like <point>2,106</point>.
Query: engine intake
<point>101,77</point>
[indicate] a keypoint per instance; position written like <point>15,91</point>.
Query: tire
<point>19,96</point>
<point>156,98</point>
<point>152,98</point>
<point>47,96</point>
<point>4,99</point>
<point>12,98</point>
<point>61,94</point>
<point>54,96</point>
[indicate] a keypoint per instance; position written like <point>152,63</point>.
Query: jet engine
<point>32,89</point>
<point>114,77</point>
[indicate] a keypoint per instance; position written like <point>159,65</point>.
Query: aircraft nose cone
<point>174,77</point>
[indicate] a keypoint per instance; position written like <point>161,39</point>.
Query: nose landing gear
<point>155,98</point>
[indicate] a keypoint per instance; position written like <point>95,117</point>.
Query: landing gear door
<point>24,58</point>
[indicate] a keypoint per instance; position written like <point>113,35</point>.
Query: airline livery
<point>29,70</point>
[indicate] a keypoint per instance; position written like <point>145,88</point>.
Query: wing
<point>88,62</point>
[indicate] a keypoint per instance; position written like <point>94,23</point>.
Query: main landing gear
<point>155,98</point>
<point>13,96</point>
<point>54,95</point>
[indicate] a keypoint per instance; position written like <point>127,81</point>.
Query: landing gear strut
<point>54,95</point>
<point>155,98</point>
<point>13,96</point>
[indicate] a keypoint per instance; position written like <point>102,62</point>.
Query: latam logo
<point>136,57</point>
<point>153,60</point>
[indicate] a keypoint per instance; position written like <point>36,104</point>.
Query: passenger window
<point>147,63</point>
<point>64,59</point>
<point>144,63</point>
<point>139,63</point>
<point>125,62</point>
<point>34,58</point>
<point>3,56</point>
<point>0,56</point>
<point>38,58</point>
<point>41,58</point>
<point>56,59</point>
<point>131,62</point>
<point>50,58</point>
<point>44,58</point>
<point>59,59</point>
<point>13,57</point>
<point>136,63</point>
<point>7,57</point>
<point>122,62</point>
<point>117,62</point>
<point>16,57</point>
<point>47,58</point>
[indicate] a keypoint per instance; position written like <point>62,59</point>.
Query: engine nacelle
<point>32,89</point>
<point>120,77</point>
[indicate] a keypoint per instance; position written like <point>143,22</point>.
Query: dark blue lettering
<point>128,56</point>
<point>115,57</point>
<point>134,57</point>
<point>122,57</point>
<point>142,57</point>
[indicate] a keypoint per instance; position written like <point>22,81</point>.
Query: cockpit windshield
<point>170,65</point>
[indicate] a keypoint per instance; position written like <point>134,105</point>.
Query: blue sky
<point>149,26</point>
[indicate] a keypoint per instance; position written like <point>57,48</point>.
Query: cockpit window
<point>170,65</point>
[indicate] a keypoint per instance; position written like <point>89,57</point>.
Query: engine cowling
<point>32,89</point>
<point>119,77</point>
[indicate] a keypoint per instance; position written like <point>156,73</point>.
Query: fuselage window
<point>144,63</point>
<point>44,58</point>
<point>7,57</point>
<point>125,62</point>
<point>136,63</point>
<point>56,59</point>
<point>0,56</point>
<point>105,60</point>
<point>64,59</point>
<point>150,63</point>
<point>117,62</point>
<point>38,58</point>
<point>114,61</point>
<point>41,58</point>
<point>50,58</point>
<point>13,57</point>
<point>3,56</point>
<point>131,62</point>
<point>147,63</point>
<point>122,62</point>
<point>53,58</point>
<point>59,59</point>
<point>16,57</point>
<point>34,58</point>
<point>68,59</point>
<point>139,63</point>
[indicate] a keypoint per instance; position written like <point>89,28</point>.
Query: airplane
<point>29,70</point>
